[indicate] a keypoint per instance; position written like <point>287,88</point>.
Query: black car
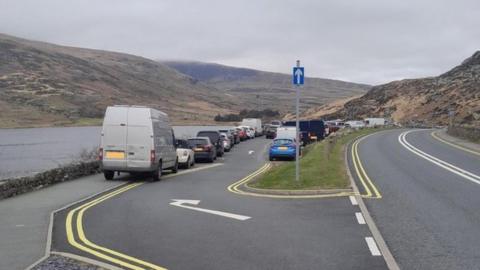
<point>203,149</point>
<point>215,138</point>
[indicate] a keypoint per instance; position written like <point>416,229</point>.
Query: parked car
<point>185,154</point>
<point>227,143</point>
<point>230,136</point>
<point>215,139</point>
<point>242,134</point>
<point>203,148</point>
<point>136,139</point>
<point>249,131</point>
<point>282,148</point>
<point>270,132</point>
<point>255,124</point>
<point>236,136</point>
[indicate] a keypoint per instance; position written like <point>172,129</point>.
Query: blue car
<point>282,148</point>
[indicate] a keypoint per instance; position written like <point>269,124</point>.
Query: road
<point>139,228</point>
<point>428,214</point>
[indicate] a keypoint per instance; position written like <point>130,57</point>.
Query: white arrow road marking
<point>182,203</point>
<point>251,152</point>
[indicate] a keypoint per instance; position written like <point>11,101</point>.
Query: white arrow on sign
<point>299,74</point>
<point>182,203</point>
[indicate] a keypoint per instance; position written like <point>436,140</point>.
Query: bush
<point>267,113</point>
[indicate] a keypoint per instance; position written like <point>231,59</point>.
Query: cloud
<point>370,41</point>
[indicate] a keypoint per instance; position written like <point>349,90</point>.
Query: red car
<point>242,134</point>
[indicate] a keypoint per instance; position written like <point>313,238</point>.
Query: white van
<point>287,133</point>
<point>255,123</point>
<point>137,139</point>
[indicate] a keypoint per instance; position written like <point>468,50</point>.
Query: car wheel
<point>175,167</point>
<point>157,174</point>
<point>108,175</point>
<point>271,158</point>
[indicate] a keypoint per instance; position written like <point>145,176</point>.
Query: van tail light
<point>152,156</point>
<point>100,154</point>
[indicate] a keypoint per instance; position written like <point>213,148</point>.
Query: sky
<point>366,41</point>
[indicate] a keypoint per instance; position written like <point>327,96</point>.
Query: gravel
<point>60,262</point>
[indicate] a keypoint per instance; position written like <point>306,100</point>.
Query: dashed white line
<point>372,246</point>
<point>360,218</point>
<point>353,200</point>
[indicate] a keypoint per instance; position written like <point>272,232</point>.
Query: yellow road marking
<point>434,135</point>
<point>234,188</point>
<point>82,237</point>
<point>360,170</point>
<point>362,174</point>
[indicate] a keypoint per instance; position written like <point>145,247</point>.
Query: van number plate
<point>115,155</point>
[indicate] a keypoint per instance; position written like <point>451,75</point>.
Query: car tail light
<point>207,147</point>
<point>100,154</point>
<point>152,156</point>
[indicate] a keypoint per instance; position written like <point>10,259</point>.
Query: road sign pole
<point>297,152</point>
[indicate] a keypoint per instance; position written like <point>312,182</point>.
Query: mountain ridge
<point>429,100</point>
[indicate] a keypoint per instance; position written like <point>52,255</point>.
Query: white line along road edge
<point>381,245</point>
<point>182,203</point>
<point>402,138</point>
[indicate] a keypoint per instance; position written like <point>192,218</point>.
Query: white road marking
<point>447,166</point>
<point>360,218</point>
<point>353,200</point>
<point>251,152</point>
<point>20,225</point>
<point>372,246</point>
<point>181,203</point>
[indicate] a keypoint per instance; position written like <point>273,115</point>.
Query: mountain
<point>425,100</point>
<point>267,89</point>
<point>43,84</point>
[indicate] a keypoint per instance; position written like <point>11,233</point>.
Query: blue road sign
<point>298,75</point>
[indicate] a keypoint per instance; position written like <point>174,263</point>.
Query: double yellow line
<point>235,188</point>
<point>370,189</point>
<point>74,233</point>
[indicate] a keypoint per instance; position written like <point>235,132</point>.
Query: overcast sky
<point>369,41</point>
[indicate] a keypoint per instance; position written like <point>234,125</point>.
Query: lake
<point>28,151</point>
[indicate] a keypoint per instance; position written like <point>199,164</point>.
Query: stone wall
<point>469,133</point>
<point>16,186</point>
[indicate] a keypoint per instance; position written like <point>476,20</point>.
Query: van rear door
<point>138,144</point>
<point>115,136</point>
<point>139,138</point>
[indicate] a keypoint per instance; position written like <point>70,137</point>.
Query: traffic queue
<point>138,139</point>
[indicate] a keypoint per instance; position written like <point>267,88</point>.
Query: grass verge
<point>321,167</point>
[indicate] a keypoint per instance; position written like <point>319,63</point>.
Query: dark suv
<point>202,148</point>
<point>215,138</point>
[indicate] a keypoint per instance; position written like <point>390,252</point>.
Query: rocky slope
<point>268,89</point>
<point>426,100</point>
<point>43,84</point>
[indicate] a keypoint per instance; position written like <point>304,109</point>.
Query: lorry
<point>255,123</point>
<point>136,139</point>
<point>312,130</point>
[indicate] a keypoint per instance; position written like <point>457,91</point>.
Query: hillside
<point>43,84</point>
<point>426,100</point>
<point>274,90</point>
